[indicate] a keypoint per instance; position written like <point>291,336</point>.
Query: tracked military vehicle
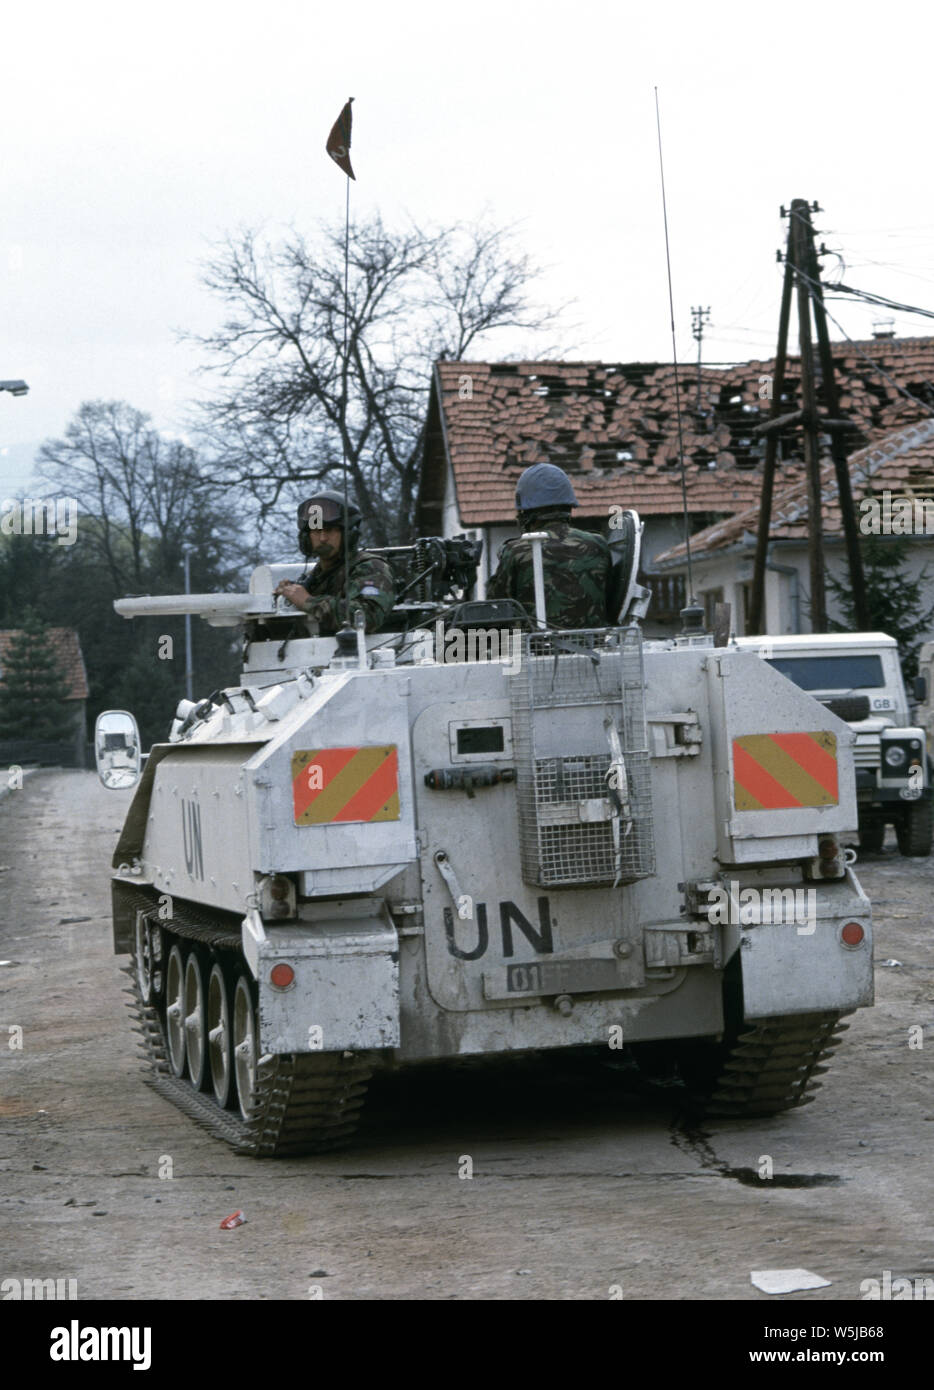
<point>472,836</point>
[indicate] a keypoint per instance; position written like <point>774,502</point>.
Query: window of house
<point>669,595</point>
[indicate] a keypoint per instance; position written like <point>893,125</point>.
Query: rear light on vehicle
<point>852,934</point>
<point>282,975</point>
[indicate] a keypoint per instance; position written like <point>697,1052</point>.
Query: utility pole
<point>797,235</point>
<point>776,385</point>
<point>698,318</point>
<point>838,430</point>
<point>801,270</point>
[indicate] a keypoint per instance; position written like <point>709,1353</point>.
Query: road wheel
<point>913,830</point>
<point>872,836</point>
<point>195,1021</point>
<point>175,1010</point>
<point>244,1045</point>
<point>220,1042</point>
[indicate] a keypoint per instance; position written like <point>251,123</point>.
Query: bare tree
<point>102,461</point>
<point>142,496</point>
<point>291,403</point>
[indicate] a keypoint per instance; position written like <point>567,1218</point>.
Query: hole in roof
<point>624,456</point>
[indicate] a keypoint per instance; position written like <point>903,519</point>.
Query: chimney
<point>883,328</point>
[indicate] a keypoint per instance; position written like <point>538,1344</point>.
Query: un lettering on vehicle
<point>192,839</point>
<point>510,916</point>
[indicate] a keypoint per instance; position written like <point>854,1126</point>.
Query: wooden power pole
<point>809,423</point>
<point>801,270</point>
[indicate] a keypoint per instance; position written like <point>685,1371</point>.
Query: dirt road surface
<point>583,1187</point>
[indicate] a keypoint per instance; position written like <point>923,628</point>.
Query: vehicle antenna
<point>674,353</point>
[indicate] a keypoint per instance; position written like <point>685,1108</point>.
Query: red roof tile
<point>588,416</point>
<point>68,651</point>
<point>901,463</point>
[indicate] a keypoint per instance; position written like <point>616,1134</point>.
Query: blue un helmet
<point>544,485</point>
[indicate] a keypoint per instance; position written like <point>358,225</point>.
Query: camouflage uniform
<point>576,568</point>
<point>371,588</point>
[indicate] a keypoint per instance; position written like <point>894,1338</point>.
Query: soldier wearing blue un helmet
<point>576,563</point>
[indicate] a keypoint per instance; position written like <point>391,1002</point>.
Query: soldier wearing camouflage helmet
<point>576,563</point>
<point>329,537</point>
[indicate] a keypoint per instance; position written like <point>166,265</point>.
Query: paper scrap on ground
<point>787,1280</point>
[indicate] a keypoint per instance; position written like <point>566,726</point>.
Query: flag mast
<point>338,147</point>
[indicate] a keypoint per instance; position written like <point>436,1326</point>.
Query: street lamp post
<point>188,671</point>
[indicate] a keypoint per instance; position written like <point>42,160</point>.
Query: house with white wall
<point>614,428</point>
<point>893,493</point>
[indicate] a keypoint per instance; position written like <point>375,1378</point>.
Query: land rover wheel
<point>913,830</point>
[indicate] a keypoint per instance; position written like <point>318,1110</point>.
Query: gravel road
<point>584,1186</point>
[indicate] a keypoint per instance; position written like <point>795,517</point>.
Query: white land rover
<point>858,676</point>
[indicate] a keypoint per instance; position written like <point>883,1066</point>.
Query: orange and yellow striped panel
<point>334,785</point>
<point>774,771</point>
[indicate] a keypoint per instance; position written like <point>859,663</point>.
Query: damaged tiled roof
<point>67,648</point>
<point>901,463</point>
<point>614,428</point>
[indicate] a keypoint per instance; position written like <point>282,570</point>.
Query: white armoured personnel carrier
<point>468,836</point>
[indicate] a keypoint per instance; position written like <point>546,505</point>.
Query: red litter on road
<point>229,1223</point>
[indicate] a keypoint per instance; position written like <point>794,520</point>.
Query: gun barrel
<point>229,607</point>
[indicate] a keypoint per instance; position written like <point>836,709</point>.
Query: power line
<point>875,366</point>
<point>881,300</point>
<point>866,295</point>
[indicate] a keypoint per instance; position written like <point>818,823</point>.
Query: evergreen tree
<point>34,691</point>
<point>895,601</point>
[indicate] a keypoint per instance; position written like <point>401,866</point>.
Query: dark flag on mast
<point>338,146</point>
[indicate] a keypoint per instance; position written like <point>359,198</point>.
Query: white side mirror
<point>117,749</point>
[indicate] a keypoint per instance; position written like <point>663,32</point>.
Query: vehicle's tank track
<point>773,1065</point>
<point>302,1103</point>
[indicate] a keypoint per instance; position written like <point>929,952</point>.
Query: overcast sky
<point>134,137</point>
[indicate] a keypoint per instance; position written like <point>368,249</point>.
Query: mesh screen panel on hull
<point>575,828</point>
